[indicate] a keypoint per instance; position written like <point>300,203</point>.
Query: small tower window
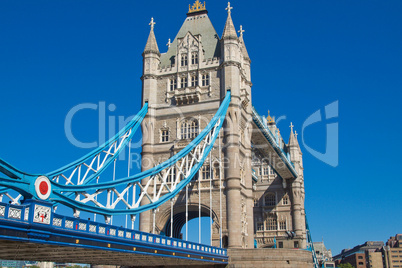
<point>183,82</point>
<point>205,80</point>
<point>189,129</point>
<point>183,59</point>
<point>173,84</point>
<point>165,135</point>
<point>265,170</point>
<point>270,199</point>
<point>194,58</point>
<point>206,174</point>
<point>282,224</point>
<point>194,81</point>
<point>285,200</point>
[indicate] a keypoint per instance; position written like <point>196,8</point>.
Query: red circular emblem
<point>43,187</point>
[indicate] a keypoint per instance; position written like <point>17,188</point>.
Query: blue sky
<point>305,55</point>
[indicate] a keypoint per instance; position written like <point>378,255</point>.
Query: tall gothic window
<point>183,82</point>
<point>282,224</point>
<point>194,58</point>
<point>270,199</point>
<point>205,80</point>
<point>172,174</point>
<point>265,170</point>
<point>183,60</point>
<point>194,129</point>
<point>164,135</point>
<point>189,129</point>
<point>173,84</point>
<point>206,174</point>
<point>194,81</point>
<point>271,223</point>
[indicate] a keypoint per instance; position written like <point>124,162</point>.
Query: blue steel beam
<point>34,222</point>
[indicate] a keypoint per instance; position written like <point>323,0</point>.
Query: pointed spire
<point>243,46</point>
<point>229,31</point>
<point>152,45</point>
<point>293,137</point>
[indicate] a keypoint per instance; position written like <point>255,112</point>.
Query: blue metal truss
<point>188,161</point>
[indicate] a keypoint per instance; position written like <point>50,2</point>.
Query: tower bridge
<point>206,152</point>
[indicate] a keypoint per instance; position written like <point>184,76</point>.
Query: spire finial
<point>296,134</point>
<point>152,23</point>
<point>229,8</point>
<point>241,31</point>
<point>291,127</point>
<point>168,44</point>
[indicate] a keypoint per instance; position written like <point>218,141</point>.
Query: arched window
<point>189,129</point>
<point>183,59</point>
<point>270,199</point>
<point>194,58</point>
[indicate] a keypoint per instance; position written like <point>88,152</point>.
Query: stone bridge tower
<point>184,88</point>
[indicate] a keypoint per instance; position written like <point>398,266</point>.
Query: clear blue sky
<point>305,55</point>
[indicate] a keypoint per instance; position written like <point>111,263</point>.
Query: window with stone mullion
<point>194,81</point>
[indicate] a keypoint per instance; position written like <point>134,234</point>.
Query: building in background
<point>362,256</point>
<point>393,252</point>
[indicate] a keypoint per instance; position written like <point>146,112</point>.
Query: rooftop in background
<point>367,246</point>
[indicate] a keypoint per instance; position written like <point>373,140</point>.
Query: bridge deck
<point>26,233</point>
<point>265,142</point>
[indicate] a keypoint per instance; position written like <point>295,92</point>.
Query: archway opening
<point>178,229</point>
<point>194,230</point>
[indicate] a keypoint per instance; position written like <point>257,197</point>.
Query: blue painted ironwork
<point>274,143</point>
<point>199,147</point>
<point>310,245</point>
<point>195,153</point>
<point>29,218</point>
<point>24,183</point>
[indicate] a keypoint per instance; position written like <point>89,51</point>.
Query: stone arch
<point>179,217</point>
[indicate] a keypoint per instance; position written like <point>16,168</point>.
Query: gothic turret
<point>152,45</point>
<point>151,60</point>
<point>294,148</point>
<point>297,188</point>
<point>229,32</point>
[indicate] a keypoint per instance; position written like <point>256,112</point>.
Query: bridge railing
<point>27,212</point>
<point>271,139</point>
